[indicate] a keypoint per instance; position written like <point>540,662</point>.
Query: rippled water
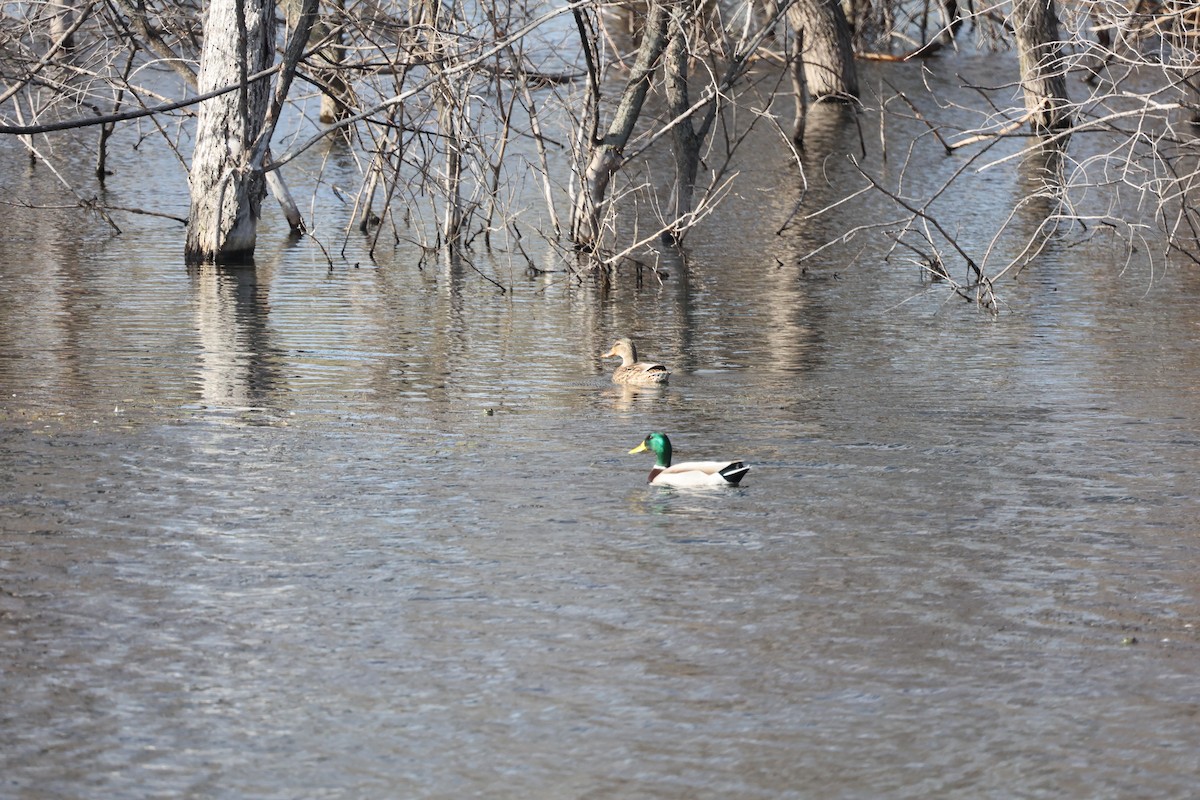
<point>373,532</point>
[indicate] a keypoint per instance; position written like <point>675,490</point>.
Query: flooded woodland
<point>360,519</point>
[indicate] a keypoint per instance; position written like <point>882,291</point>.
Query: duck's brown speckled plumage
<point>633,371</point>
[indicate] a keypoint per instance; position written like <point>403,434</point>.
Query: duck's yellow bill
<point>641,448</point>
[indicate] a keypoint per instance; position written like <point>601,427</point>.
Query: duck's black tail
<point>735,472</point>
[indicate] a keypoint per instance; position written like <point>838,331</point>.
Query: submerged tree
<point>1116,162</point>
<point>671,33</point>
<point>227,187</point>
<point>233,130</point>
<point>1042,66</point>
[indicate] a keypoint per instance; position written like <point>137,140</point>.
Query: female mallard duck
<point>632,370</point>
<point>689,473</point>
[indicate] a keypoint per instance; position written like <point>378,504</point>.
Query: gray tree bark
<point>326,31</point>
<point>685,143</point>
<point>829,69</point>
<point>1043,72</point>
<point>335,95</point>
<point>604,157</point>
<point>62,14</point>
<point>227,187</point>
<point>799,90</point>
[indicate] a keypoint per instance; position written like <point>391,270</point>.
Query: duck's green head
<point>659,444</point>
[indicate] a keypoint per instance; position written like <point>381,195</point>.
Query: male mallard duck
<point>632,370</point>
<point>689,473</point>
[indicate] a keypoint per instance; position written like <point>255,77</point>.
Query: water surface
<point>372,531</point>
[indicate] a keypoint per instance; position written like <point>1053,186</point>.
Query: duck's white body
<point>699,473</point>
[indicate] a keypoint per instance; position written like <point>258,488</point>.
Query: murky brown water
<point>261,537</point>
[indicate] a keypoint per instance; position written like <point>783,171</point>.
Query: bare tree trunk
<point>1043,71</point>
<point>335,94</point>
<point>799,90</point>
<point>685,142</point>
<point>327,31</point>
<point>859,19</point>
<point>227,188</point>
<point>61,17</point>
<point>443,21</point>
<point>135,12</point>
<point>828,58</point>
<point>283,195</point>
<point>450,126</point>
<point>604,156</point>
<point>953,18</point>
